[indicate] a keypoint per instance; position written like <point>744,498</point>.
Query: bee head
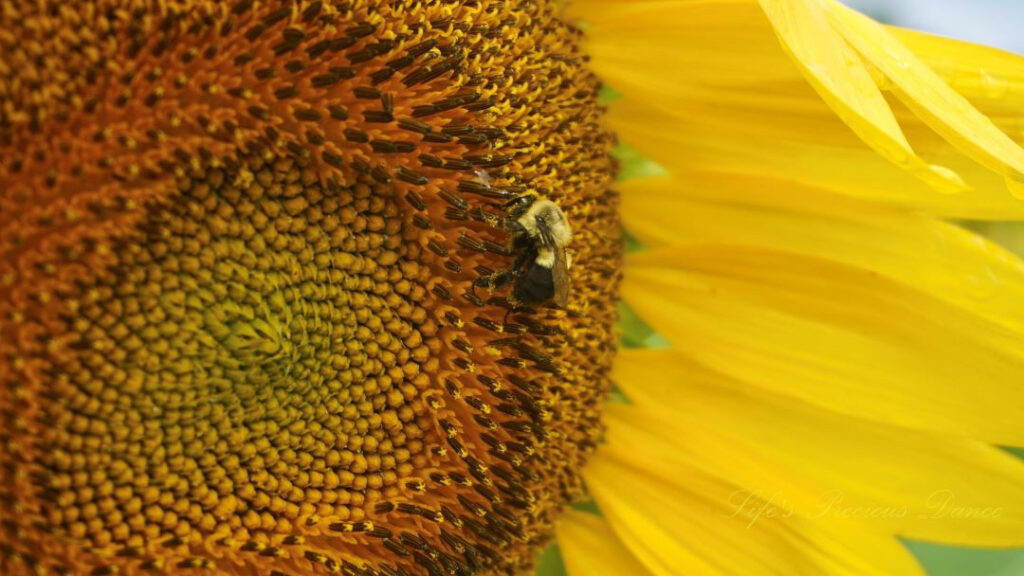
<point>546,222</point>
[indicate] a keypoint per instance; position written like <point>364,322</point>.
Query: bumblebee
<point>540,234</point>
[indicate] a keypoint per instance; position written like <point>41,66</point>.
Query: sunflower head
<point>247,322</point>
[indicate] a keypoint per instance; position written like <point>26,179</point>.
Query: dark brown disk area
<point>239,241</point>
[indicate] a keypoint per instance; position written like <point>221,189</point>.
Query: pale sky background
<point>998,23</point>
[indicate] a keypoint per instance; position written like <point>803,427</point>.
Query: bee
<point>540,235</point>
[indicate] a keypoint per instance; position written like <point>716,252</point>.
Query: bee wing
<point>560,278</point>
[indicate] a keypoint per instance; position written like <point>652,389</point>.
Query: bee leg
<point>512,225</point>
<point>501,278</point>
<point>494,280</point>
<point>492,220</point>
<point>515,306</point>
<point>508,311</point>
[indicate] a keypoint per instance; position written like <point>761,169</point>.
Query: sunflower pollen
<point>242,327</point>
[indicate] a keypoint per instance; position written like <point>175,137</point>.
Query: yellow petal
<point>993,80</point>
<point>679,519</point>
<point>822,465</point>
<point>940,259</point>
<point>589,547</point>
<point>778,132</point>
<point>706,87</point>
<point>836,336</point>
<point>947,112</point>
<point>838,75</point>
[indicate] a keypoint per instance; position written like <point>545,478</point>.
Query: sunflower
<point>260,283</point>
<point>838,361</point>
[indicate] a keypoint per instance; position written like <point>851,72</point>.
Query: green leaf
<point>632,244</point>
<point>608,94</point>
<point>950,561</point>
<point>634,331</point>
<point>635,165</point>
<point>549,563</point>
<point>1009,235</point>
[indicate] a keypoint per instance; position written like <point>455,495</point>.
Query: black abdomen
<point>536,285</point>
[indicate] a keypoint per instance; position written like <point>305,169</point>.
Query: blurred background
<point>998,23</point>
<point>993,22</point>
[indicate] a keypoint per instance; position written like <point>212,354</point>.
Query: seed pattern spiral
<point>241,328</point>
